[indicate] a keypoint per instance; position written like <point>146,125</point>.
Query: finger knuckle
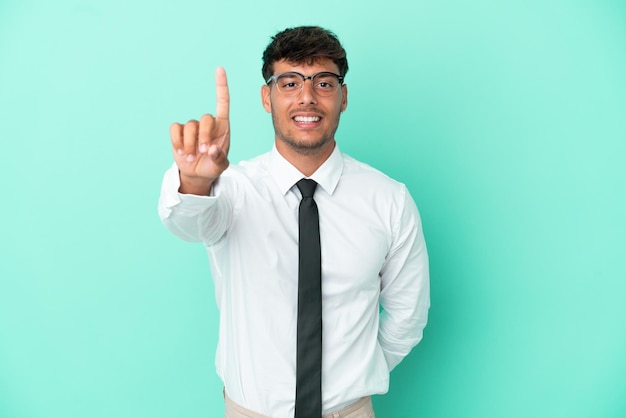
<point>207,118</point>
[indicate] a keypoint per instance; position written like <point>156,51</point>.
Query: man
<point>368,245</point>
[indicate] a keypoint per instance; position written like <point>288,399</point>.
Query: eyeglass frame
<point>274,78</point>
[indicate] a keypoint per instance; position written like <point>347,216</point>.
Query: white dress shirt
<point>373,252</point>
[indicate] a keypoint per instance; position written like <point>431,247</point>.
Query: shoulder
<point>358,172</point>
<point>243,178</point>
<point>379,193</point>
<point>251,168</point>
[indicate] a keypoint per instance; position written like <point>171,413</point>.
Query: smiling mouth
<point>307,119</point>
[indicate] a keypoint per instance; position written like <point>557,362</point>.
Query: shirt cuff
<point>171,198</point>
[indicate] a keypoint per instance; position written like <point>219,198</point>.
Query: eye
<point>289,82</point>
<point>326,82</point>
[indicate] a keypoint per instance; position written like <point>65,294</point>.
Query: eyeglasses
<point>292,83</point>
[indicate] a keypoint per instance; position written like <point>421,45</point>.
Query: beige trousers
<point>360,409</point>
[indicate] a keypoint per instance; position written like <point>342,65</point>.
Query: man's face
<point>305,122</point>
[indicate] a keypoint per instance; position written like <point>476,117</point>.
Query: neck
<point>307,162</point>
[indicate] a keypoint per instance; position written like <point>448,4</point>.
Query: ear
<point>265,98</point>
<point>344,97</point>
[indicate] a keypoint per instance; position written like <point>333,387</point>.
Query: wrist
<point>200,186</point>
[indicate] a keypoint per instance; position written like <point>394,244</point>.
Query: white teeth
<point>306,119</point>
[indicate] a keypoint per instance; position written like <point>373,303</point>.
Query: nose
<point>307,94</point>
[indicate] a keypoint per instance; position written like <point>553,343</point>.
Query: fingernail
<point>203,148</point>
<point>180,151</point>
<point>190,157</point>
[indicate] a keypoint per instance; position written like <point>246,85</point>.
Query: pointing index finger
<point>221,94</point>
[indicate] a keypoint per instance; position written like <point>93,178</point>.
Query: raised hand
<point>201,148</point>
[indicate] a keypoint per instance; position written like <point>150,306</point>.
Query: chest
<point>355,238</point>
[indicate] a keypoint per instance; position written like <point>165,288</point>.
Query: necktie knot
<point>307,187</point>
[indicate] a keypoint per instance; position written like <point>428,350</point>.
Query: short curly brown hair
<point>304,44</point>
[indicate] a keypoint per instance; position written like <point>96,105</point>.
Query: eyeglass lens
<point>324,84</point>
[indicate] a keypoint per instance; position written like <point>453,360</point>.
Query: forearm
<point>405,310</point>
<point>402,329</point>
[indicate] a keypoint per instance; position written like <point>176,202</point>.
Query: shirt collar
<point>286,175</point>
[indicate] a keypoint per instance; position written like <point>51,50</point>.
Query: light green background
<point>506,120</point>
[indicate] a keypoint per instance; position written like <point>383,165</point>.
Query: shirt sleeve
<point>405,286</point>
<point>191,217</point>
